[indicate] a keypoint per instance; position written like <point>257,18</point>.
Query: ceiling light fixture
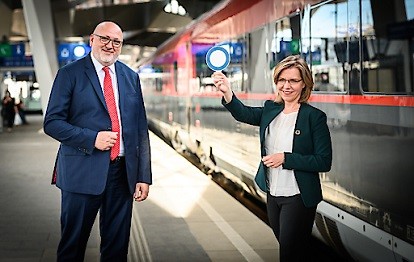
<point>174,7</point>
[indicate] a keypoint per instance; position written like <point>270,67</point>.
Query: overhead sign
<point>69,52</point>
<point>18,50</point>
<point>291,47</point>
<point>12,50</point>
<point>14,55</point>
<point>5,50</point>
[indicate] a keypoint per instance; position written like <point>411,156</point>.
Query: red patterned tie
<point>110,103</point>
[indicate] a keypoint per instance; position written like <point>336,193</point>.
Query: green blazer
<point>312,147</point>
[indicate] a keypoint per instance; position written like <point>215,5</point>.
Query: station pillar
<point>39,23</point>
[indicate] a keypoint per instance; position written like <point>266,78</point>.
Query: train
<point>361,54</point>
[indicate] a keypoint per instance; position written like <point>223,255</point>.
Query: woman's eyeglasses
<point>292,82</point>
<point>105,40</point>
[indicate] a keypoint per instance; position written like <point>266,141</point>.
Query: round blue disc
<point>217,58</point>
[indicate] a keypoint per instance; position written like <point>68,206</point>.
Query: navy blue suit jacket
<point>75,114</point>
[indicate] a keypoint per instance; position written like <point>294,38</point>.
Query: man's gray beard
<point>107,59</point>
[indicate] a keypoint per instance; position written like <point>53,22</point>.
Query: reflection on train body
<point>361,55</point>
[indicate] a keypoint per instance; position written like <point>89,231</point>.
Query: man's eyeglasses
<point>105,40</point>
<point>292,82</point>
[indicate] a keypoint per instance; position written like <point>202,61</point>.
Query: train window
<point>203,72</point>
<point>313,34</point>
<point>283,41</point>
<point>386,37</point>
<point>409,7</point>
<point>360,45</point>
<point>371,47</point>
<point>281,44</point>
<point>236,71</point>
<point>323,27</point>
<point>151,78</point>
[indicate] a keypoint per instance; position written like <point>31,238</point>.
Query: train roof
<point>230,18</point>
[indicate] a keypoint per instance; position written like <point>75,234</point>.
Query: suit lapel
<point>300,121</point>
<point>120,76</point>
<point>93,77</point>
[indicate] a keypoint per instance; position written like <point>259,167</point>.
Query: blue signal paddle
<point>217,58</point>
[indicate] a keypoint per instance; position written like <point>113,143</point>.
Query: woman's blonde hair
<point>295,61</point>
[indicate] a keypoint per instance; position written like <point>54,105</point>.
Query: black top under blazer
<point>312,147</point>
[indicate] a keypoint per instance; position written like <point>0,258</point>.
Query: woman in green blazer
<point>295,146</point>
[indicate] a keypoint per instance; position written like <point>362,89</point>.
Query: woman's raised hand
<point>223,85</point>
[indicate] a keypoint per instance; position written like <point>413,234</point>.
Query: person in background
<point>295,147</point>
<point>8,110</point>
<point>22,112</point>
<point>96,111</point>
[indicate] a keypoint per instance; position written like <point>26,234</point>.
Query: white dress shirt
<point>101,75</point>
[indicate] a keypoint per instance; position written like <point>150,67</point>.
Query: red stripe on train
<point>383,100</point>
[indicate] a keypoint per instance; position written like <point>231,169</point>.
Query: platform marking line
<point>139,246</point>
<point>242,246</point>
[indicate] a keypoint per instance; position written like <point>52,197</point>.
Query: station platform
<point>187,217</point>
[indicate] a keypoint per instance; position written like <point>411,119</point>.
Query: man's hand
<point>105,140</point>
<point>141,192</point>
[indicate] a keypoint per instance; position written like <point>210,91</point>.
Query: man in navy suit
<point>90,179</point>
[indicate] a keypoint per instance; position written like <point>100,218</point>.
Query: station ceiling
<point>145,23</point>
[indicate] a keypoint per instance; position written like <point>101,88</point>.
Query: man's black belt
<point>118,159</point>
